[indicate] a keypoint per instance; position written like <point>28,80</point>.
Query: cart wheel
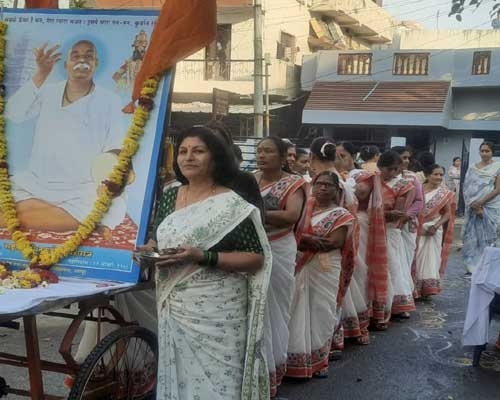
<point>4,388</point>
<point>122,366</point>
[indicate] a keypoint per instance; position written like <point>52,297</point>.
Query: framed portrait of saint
<point>68,84</point>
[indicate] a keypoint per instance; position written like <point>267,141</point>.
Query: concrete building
<point>292,29</point>
<point>431,99</point>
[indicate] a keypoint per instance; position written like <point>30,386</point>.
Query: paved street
<point>418,359</point>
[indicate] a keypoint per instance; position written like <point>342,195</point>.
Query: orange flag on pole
<point>41,4</point>
<point>183,27</point>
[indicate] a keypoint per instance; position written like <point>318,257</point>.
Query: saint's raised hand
<point>46,58</point>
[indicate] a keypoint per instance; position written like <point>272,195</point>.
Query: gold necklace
<point>199,198</point>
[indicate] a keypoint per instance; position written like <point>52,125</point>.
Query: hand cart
<point>122,365</point>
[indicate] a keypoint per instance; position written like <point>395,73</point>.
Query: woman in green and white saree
<point>211,280</point>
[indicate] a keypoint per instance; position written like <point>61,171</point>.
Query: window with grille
<point>411,64</point>
<point>218,55</point>
<point>287,48</point>
<point>354,64</point>
<point>481,62</point>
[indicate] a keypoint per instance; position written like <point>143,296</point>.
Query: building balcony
<point>202,76</point>
<point>363,19</point>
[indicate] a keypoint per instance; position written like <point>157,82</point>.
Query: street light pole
<point>267,60</point>
<point>257,72</point>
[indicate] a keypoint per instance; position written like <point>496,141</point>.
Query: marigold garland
<point>46,257</point>
<point>25,279</point>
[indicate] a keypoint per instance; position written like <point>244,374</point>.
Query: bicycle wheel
<point>122,366</point>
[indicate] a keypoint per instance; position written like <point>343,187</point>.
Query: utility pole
<point>258,106</point>
<point>267,61</point>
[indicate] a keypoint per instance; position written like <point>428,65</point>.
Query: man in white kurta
<point>68,137</point>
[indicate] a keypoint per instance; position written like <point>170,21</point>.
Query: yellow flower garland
<point>47,257</point>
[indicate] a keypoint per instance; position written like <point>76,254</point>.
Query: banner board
<point>70,75</point>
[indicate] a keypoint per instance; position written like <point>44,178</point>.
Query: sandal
<point>380,327</point>
<point>321,374</point>
<point>403,315</point>
<point>363,340</point>
<point>335,355</point>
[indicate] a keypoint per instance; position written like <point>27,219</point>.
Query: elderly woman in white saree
<point>211,281</point>
<point>482,206</point>
<point>314,309</point>
<point>435,233</point>
<point>283,196</point>
<point>324,158</point>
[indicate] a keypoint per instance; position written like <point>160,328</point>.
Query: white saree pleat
<point>324,278</point>
<point>409,246</point>
<point>313,316</point>
<point>205,332</point>
<point>399,271</point>
<point>429,261</point>
<point>300,318</point>
<point>356,304</point>
<point>210,322</point>
<point>279,300</point>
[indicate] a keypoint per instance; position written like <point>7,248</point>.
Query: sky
<point>426,13</point>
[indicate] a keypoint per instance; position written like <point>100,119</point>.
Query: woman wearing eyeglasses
<point>324,158</point>
<point>326,230</point>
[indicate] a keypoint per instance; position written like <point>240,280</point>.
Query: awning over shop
<point>378,103</point>
<point>199,107</point>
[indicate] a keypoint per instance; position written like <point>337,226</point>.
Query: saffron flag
<point>41,4</point>
<point>183,27</point>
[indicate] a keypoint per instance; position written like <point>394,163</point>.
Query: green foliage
<point>78,4</point>
<point>458,6</point>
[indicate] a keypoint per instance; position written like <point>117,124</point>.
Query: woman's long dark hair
<point>353,151</point>
<point>225,169</point>
<point>243,183</point>
<point>425,159</point>
<point>218,126</point>
<point>368,152</point>
<point>488,144</point>
<point>324,149</point>
<point>429,169</point>
<point>388,159</point>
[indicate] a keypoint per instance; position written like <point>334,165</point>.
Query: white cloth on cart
<point>19,300</point>
<point>485,282</point>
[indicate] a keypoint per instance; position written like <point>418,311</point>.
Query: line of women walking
<point>351,250</point>
<point>264,277</point>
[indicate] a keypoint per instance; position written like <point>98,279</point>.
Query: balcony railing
<point>354,64</point>
<point>215,70</point>
<point>411,64</point>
